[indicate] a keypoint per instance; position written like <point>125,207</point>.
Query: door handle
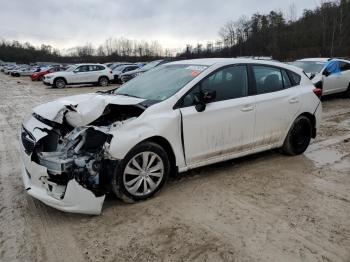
<point>294,100</point>
<point>247,108</point>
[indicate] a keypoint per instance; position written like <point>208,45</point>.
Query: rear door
<point>277,104</point>
<point>226,126</point>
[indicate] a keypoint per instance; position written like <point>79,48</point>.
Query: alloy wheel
<point>143,174</point>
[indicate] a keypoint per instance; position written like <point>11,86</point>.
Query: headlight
<point>48,77</point>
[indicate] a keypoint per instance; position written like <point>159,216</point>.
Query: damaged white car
<point>176,117</point>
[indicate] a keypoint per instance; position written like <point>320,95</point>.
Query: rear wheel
<point>142,173</point>
<point>347,92</point>
<point>40,78</point>
<point>59,83</point>
<point>299,137</point>
<point>103,81</point>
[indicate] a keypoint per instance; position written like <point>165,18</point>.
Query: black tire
<point>299,137</point>
<point>59,83</point>
<point>103,81</point>
<point>40,78</point>
<point>347,92</point>
<point>120,178</point>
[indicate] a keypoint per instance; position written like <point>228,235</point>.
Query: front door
<point>226,126</point>
<point>334,79</point>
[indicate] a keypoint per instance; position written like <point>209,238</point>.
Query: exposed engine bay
<point>71,150</point>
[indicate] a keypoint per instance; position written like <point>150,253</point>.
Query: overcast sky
<point>174,23</point>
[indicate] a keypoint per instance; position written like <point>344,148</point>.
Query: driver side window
<point>83,68</point>
<point>228,83</point>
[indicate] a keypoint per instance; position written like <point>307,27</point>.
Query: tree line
<point>324,31</point>
<point>118,49</point>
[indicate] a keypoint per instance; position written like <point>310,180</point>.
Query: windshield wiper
<point>122,94</point>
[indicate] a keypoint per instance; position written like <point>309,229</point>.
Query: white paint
<point>225,130</point>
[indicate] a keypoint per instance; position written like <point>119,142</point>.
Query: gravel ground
<point>266,207</point>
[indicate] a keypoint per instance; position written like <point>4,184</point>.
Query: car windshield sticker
<point>195,73</point>
<point>196,70</point>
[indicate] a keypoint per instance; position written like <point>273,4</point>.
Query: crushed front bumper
<point>72,198</point>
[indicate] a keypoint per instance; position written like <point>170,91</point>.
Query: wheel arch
<point>312,119</point>
<point>165,144</point>
<point>58,77</point>
<point>103,76</point>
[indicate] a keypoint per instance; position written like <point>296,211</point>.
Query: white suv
<point>173,118</point>
<point>80,74</point>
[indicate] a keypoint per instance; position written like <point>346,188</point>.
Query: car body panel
<point>226,129</point>
<point>73,77</point>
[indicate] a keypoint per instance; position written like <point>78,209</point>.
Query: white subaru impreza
<point>176,117</point>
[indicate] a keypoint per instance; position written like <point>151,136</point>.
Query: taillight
<point>318,92</point>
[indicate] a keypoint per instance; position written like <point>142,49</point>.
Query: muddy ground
<point>266,207</point>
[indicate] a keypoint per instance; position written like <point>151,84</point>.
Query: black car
<point>119,70</point>
<point>125,77</point>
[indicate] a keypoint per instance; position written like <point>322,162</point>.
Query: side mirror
<point>326,72</point>
<point>206,96</point>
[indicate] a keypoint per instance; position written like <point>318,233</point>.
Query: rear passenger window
<point>286,80</point>
<point>344,66</point>
<point>268,79</point>
<point>295,78</point>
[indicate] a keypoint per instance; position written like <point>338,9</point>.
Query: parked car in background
<point>80,74</point>
<point>117,71</point>
<point>331,75</point>
<point>23,71</point>
<point>5,68</point>
<point>176,117</point>
<point>110,64</point>
<point>125,77</point>
<point>10,68</point>
<point>39,75</point>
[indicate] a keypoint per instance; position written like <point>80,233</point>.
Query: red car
<point>38,76</point>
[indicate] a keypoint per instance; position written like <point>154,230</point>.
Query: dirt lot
<point>266,207</point>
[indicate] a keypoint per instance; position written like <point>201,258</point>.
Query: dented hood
<point>80,110</point>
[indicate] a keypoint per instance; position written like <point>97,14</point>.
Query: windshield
<point>119,67</point>
<point>70,69</point>
<point>160,83</point>
<point>310,66</point>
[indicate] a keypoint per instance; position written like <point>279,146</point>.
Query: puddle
<point>323,157</point>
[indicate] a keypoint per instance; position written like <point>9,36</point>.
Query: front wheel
<point>103,81</point>
<point>59,83</point>
<point>142,173</point>
<point>299,137</point>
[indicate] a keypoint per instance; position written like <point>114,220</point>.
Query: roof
<point>213,61</point>
<point>317,59</point>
